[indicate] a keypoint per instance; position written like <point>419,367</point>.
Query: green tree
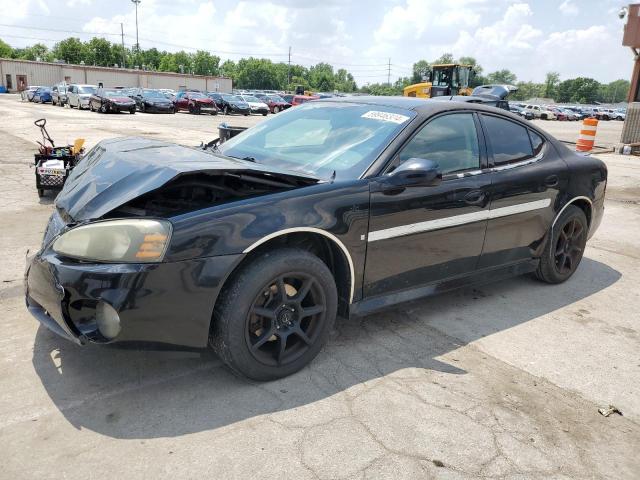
<point>168,63</point>
<point>552,80</point>
<point>151,58</point>
<point>579,90</point>
<point>421,71</point>
<point>502,76</point>
<point>184,62</point>
<point>5,50</point>
<point>445,58</point>
<point>527,90</point>
<point>98,52</point>
<point>321,77</point>
<point>71,50</point>
<point>228,69</point>
<point>615,91</point>
<point>256,73</point>
<point>205,64</point>
<point>38,51</point>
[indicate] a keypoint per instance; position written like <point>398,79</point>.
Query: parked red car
<point>300,99</point>
<point>276,103</point>
<point>195,103</point>
<point>560,115</point>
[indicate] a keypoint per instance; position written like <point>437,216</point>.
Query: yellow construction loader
<point>443,80</point>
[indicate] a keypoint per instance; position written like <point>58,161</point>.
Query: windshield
<point>275,98</point>
<point>321,138</point>
<point>113,93</point>
<point>249,98</point>
<point>231,98</point>
<point>442,77</point>
<point>90,90</point>
<point>197,95</point>
<point>153,94</point>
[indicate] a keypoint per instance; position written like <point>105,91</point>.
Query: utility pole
<point>289,70</point>
<point>124,62</point>
<point>389,74</point>
<point>136,2</point>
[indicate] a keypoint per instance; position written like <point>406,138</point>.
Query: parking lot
<point>499,381</point>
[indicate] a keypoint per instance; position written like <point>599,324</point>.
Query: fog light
<point>108,320</point>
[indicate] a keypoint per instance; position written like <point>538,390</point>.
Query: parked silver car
<point>59,94</point>
<point>78,95</point>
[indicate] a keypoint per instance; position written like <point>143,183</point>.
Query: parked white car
<point>78,95</point>
<point>256,105</point>
<point>540,111</point>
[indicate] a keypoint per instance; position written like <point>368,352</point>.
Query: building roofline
<point>112,69</point>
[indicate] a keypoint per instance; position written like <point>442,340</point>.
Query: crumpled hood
<point>118,170</point>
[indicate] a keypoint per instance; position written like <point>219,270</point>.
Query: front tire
<point>275,315</point>
<point>565,246</point>
<point>276,109</point>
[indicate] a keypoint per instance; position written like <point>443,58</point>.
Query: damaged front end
<point>101,275</point>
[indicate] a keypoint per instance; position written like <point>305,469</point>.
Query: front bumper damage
<point>169,303</point>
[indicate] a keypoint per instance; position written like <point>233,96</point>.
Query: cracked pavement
<point>501,381</point>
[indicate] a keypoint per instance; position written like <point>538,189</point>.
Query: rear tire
<point>263,327</point>
<point>565,246</point>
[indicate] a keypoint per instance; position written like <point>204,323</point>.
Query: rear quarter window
<point>509,141</point>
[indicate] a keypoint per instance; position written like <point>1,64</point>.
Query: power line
<point>25,27</point>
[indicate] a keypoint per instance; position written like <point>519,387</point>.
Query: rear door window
<point>509,141</point>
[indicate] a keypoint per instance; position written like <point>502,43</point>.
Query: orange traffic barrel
<point>587,135</point>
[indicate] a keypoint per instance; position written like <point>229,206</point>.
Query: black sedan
<point>228,103</point>
<point>152,101</point>
<point>111,100</point>
<point>336,207</point>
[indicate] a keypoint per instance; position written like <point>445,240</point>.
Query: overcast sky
<point>572,37</point>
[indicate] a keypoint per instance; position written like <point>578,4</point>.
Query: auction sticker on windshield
<point>385,116</point>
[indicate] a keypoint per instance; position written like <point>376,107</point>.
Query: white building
<point>17,75</point>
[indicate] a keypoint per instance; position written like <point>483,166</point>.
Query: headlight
<point>129,241</point>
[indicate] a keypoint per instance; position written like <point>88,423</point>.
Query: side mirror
<point>416,172</point>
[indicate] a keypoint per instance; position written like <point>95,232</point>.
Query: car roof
<point>409,103</point>
<point>423,106</point>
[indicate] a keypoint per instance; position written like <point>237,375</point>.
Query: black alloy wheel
<point>285,319</point>
<point>569,246</point>
<point>275,315</point>
<point>565,246</point>
<point>104,108</point>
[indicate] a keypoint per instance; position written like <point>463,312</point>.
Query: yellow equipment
<point>444,80</point>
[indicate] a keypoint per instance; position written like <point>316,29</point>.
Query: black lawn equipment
<point>53,164</point>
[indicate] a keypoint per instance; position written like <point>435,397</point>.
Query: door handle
<point>551,181</point>
<point>475,197</point>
